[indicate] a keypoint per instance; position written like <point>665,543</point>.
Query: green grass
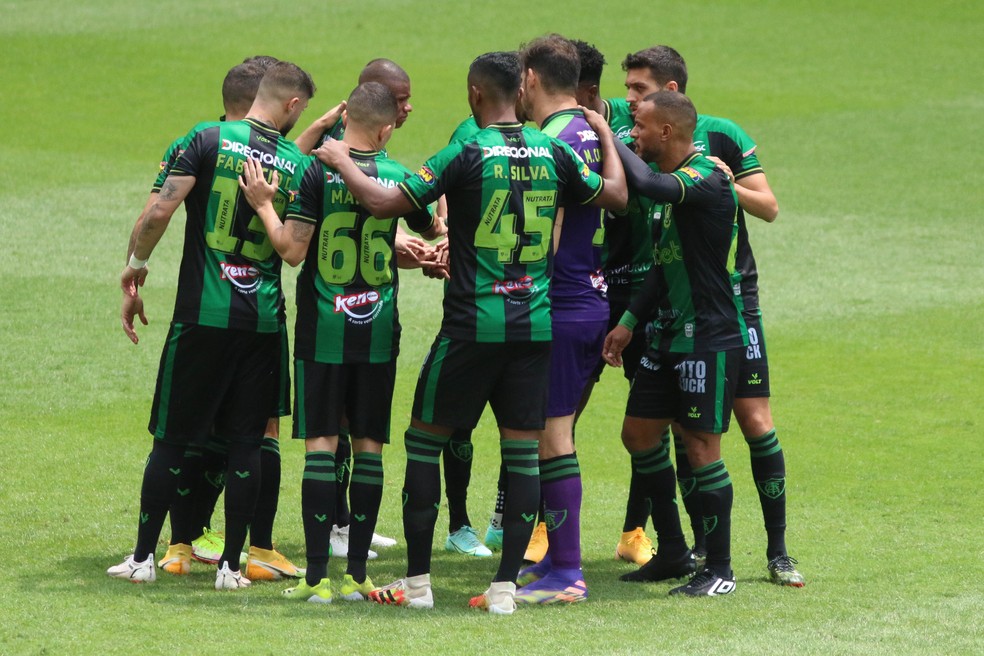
<point>867,115</point>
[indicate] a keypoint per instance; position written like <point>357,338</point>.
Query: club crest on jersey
<point>360,307</point>
<point>245,278</point>
<point>515,291</point>
<point>691,173</point>
<point>426,175</point>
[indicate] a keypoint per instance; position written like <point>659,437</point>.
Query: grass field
<point>868,120</point>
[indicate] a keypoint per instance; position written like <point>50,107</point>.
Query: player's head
<point>285,91</point>
<point>239,89</point>
<point>551,65</point>
<point>388,72</point>
<point>651,70</point>
<point>372,110</point>
<point>663,121</point>
<point>592,63</point>
<point>263,61</point>
<point>493,80</point>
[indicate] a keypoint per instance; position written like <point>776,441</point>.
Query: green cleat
<point>318,594</point>
<point>783,572</point>
<point>352,591</point>
<point>465,541</point>
<point>208,547</point>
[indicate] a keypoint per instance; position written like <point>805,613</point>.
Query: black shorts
<point>213,378</point>
<point>327,394</point>
<point>458,378</point>
<point>635,348</point>
<point>753,371</point>
<point>283,387</point>
<point>695,389</point>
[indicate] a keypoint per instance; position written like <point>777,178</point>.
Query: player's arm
<point>291,238</point>
<point>308,139</point>
<point>663,187</point>
<point>754,193</point>
<point>641,308</point>
<point>155,222</point>
<point>615,194</point>
<point>382,202</point>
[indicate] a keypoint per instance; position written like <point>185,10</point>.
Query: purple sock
<point>560,486</point>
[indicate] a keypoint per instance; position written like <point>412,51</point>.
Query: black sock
<point>183,513</point>
<point>317,507</point>
<point>343,465</point>
<point>457,475</point>
<point>421,497</point>
<point>688,492</point>
<point>658,484</point>
<point>522,500</point>
<point>242,488</point>
<point>500,498</point>
<point>367,493</point>
<point>637,507</point>
<point>716,496</point>
<point>159,487</point>
<point>206,495</point>
<point>769,473</point>
<point>261,531</point>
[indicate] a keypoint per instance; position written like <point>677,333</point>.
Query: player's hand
<point>330,118</point>
<point>332,152</point>
<point>437,266</point>
<point>257,190</point>
<point>596,121</point>
<point>615,343</point>
<point>724,167</point>
<point>410,251</point>
<point>132,278</point>
<point>133,306</point>
<point>438,228</point>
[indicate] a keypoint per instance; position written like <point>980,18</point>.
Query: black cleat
<point>707,583</point>
<point>661,568</point>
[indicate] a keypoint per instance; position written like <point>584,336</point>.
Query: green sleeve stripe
<point>628,320</point>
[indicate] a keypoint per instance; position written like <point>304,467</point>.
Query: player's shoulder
<point>724,126</point>
<point>695,169</point>
<point>465,130</point>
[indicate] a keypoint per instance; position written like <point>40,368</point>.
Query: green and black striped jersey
<point>174,152</point>
<point>347,288</point>
<point>728,142</point>
<point>503,185</point>
<point>694,285</point>
<point>230,273</point>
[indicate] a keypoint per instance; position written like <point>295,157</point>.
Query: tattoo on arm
<point>168,191</point>
<point>301,232</point>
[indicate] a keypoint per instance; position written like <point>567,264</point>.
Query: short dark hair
<point>555,61</point>
<point>498,74</point>
<point>372,104</point>
<point>592,62</point>
<point>664,63</point>
<point>383,71</point>
<point>677,107</point>
<point>263,61</point>
<point>286,80</point>
<point>239,87</point>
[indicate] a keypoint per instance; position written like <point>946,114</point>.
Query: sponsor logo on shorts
<point>646,363</point>
<point>754,351</point>
<point>517,291</point>
<point>245,278</point>
<point>693,413</point>
<point>361,307</point>
<point>754,380</point>
<point>693,379</point>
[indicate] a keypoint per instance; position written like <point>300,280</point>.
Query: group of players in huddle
<point>613,233</point>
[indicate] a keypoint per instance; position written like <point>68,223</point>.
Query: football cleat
<point>499,599</point>
<point>537,547</point>
<point>635,547</point>
<point>177,560</point>
<point>352,591</point>
<point>783,572</point>
<point>208,547</point>
<point>133,571</point>
<point>412,592</point>
<point>533,573</point>
<point>707,583</point>
<point>318,594</point>
<point>226,579</point>
<point>381,541</point>
<point>465,541</point>
<point>270,565</point>
<point>661,568</point>
<point>339,543</point>
<point>493,537</point>
<point>556,587</point>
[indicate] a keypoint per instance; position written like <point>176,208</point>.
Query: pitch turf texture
<point>868,120</point>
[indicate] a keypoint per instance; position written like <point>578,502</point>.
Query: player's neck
<point>674,156</point>
<point>490,115</point>
<point>358,140</point>
<point>549,105</point>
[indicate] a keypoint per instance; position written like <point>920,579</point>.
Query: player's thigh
<point>320,392</point>
<point>519,396</point>
<point>707,388</point>
<point>283,384</point>
<point>252,394</point>
<point>455,382</point>
<point>369,400</point>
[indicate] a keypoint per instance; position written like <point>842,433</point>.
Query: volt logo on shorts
<point>518,290</point>
<point>693,377</point>
<point>245,278</point>
<point>361,307</point>
<point>693,414</point>
<point>754,380</point>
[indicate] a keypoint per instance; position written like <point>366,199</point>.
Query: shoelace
<point>783,563</point>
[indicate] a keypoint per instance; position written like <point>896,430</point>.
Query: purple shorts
<point>576,350</point>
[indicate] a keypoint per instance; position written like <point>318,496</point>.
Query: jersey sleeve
<point>703,183</point>
<point>580,183</point>
<point>167,163</point>
<point>305,193</point>
<point>437,174</point>
<point>467,129</point>
<point>739,151</point>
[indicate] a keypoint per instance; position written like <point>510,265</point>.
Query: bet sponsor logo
<point>262,157</point>
<point>693,378</point>
<point>516,291</point>
<point>754,351</point>
<point>598,281</point>
<point>244,278</point>
<point>691,173</point>
<point>426,175</point>
<point>360,307</point>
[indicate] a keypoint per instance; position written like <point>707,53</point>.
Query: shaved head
<point>387,72</point>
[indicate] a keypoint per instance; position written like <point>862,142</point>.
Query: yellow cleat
<point>635,547</point>
<point>270,565</point>
<point>537,547</point>
<point>177,560</point>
